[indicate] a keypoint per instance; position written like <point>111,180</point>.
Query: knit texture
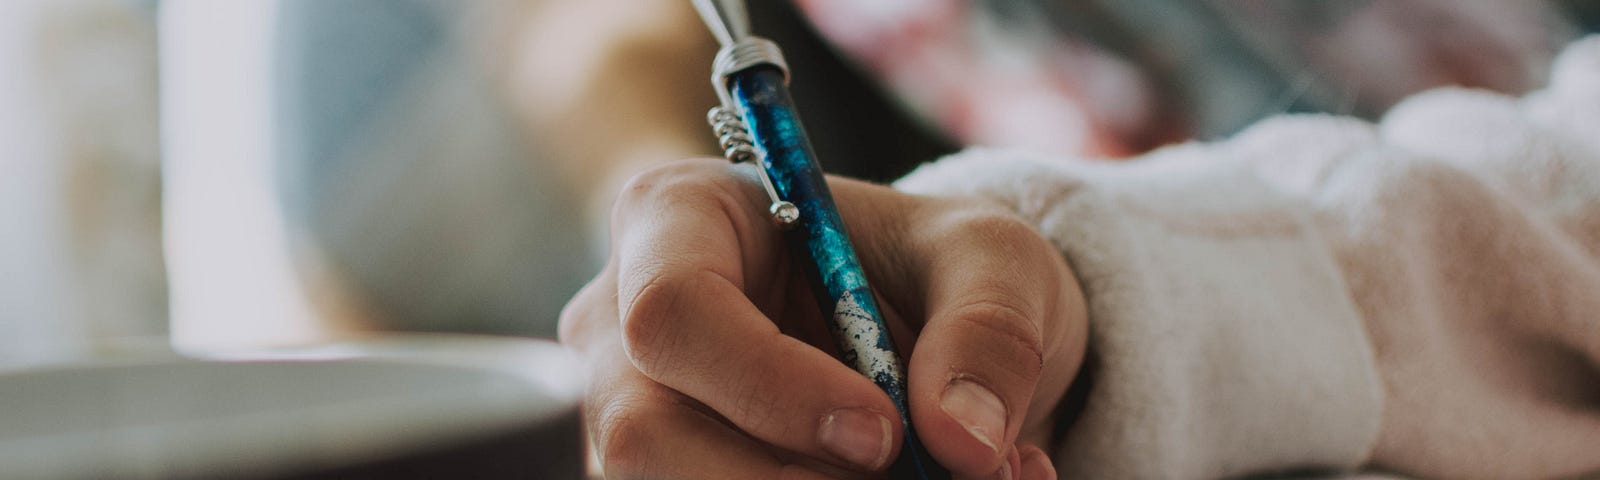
<point>1418,296</point>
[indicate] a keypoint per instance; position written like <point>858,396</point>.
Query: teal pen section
<point>858,326</point>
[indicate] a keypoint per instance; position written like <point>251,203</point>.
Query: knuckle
<point>986,228</point>
<point>759,403</point>
<point>1000,229</point>
<point>1008,246</point>
<point>1016,331</point>
<point>622,437</point>
<point>646,323</point>
<point>673,179</point>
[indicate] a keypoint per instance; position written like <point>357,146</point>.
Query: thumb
<point>993,289</point>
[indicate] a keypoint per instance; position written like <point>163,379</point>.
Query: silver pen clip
<point>740,51</point>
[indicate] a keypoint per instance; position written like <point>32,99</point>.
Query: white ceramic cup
<point>409,406</point>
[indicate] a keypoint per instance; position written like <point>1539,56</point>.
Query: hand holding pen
<point>757,122</point>
<point>712,358</point>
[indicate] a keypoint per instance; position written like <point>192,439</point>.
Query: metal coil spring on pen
<point>733,135</point>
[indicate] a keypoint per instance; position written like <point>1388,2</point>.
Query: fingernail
<point>857,436</point>
<point>1005,471</point>
<point>977,409</point>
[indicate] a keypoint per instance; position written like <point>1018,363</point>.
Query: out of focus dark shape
<point>858,129</point>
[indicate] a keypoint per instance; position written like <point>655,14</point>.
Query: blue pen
<point>757,122</point>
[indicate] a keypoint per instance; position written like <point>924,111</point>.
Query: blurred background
<point>270,172</point>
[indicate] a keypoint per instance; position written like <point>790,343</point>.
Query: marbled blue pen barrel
<point>856,323</point>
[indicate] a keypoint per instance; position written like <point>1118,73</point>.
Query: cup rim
<point>494,376</point>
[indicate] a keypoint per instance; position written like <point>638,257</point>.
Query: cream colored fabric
<point>1420,296</point>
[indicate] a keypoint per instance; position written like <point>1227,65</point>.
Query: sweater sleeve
<point>1324,293</point>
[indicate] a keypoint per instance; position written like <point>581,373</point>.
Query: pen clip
<point>739,147</point>
<point>727,120</point>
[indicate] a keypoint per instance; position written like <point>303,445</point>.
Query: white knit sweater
<point>1419,296</point>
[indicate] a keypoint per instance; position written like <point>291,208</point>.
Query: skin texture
<point>710,358</point>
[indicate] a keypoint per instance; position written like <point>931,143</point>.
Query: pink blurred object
<point>1020,80</point>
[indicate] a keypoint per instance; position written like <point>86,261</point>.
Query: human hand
<point>710,358</point>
